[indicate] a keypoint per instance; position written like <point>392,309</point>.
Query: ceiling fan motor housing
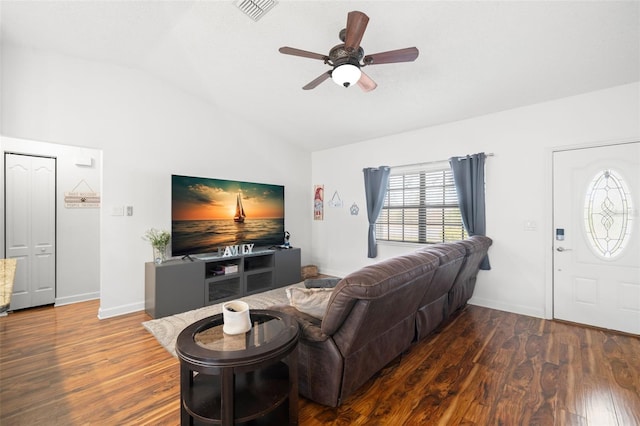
<point>340,56</point>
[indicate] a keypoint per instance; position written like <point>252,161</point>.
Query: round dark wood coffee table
<point>235,379</point>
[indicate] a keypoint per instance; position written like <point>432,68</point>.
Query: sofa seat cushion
<point>311,301</point>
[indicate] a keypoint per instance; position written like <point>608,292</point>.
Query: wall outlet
<point>129,210</point>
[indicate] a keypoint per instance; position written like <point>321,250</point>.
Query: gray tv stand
<point>182,285</point>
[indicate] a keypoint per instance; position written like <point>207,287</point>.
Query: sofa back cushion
<point>476,248</point>
<point>433,307</point>
<point>382,280</point>
<point>450,258</point>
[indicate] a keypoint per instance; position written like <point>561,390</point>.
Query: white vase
<point>235,315</point>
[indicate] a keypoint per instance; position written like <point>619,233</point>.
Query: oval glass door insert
<point>607,214</point>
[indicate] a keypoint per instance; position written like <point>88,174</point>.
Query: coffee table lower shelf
<point>257,393</point>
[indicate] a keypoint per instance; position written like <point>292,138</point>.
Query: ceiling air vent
<point>255,9</point>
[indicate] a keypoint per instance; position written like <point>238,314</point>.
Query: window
<point>421,206</point>
<point>607,214</point>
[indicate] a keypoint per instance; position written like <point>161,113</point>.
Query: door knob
<point>561,249</point>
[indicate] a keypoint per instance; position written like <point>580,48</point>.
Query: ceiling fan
<point>348,58</point>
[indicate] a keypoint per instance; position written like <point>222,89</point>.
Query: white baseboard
<point>332,272</point>
<point>507,307</point>
<point>61,301</point>
<point>120,310</point>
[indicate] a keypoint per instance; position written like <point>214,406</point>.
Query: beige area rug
<point>166,329</point>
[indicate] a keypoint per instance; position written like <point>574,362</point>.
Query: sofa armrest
<point>309,325</point>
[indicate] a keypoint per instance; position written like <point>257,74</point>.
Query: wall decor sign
<point>82,199</point>
<point>335,200</point>
<point>236,250</point>
<point>318,202</point>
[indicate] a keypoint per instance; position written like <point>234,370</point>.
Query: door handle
<point>561,249</point>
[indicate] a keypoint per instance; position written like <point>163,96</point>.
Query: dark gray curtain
<point>468,176</point>
<point>375,187</point>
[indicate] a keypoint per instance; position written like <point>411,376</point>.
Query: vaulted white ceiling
<point>476,57</point>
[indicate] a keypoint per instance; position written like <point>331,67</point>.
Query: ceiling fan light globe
<point>346,75</point>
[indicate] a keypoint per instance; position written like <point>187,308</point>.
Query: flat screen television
<point>210,214</point>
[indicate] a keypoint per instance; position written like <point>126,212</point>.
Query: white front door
<point>596,197</point>
<point>30,219</point>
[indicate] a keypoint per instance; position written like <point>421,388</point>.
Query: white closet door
<point>30,219</point>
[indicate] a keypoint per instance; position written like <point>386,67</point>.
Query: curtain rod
<point>489,154</point>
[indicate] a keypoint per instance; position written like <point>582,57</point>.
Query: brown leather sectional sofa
<point>376,313</point>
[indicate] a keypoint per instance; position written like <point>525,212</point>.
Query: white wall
<point>518,187</point>
<point>77,234</point>
<point>146,131</point>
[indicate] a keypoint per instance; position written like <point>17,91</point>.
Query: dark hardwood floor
<point>63,366</point>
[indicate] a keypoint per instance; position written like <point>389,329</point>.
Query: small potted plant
<point>159,240</point>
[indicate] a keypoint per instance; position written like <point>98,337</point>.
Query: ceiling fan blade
<point>356,24</point>
<point>313,84</point>
<point>298,52</point>
<point>401,55</point>
<point>366,83</point>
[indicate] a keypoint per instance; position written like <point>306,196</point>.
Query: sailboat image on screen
<point>239,216</point>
